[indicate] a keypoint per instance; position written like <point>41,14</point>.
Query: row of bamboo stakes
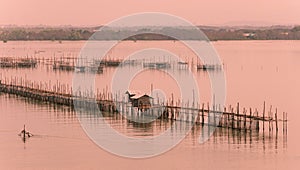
<point>69,62</point>
<point>230,117</point>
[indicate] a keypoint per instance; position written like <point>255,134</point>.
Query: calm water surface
<point>256,71</point>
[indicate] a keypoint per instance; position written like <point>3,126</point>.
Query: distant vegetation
<point>213,33</point>
<point>21,33</point>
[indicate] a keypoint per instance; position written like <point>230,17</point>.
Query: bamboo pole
<point>202,113</point>
<point>250,119</point>
<point>257,122</point>
<point>270,118</point>
<point>264,116</point>
<point>245,119</point>
<point>276,121</point>
<point>238,116</point>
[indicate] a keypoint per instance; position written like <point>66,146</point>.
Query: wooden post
<point>286,122</point>
<point>225,117</point>
<point>202,114</point>
<point>208,115</point>
<point>228,121</point>
<point>250,119</point>
<point>214,113</point>
<point>198,114</point>
<point>245,119</point>
<point>270,117</point>
<point>264,116</point>
<point>276,123</point>
<point>283,122</point>
<point>238,116</point>
<point>232,119</point>
<point>257,121</point>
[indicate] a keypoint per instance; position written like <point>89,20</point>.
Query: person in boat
<point>25,133</point>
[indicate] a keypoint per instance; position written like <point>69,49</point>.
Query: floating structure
<point>182,65</point>
<point>130,63</point>
<point>157,65</point>
<point>63,66</point>
<point>6,62</point>
<point>209,67</point>
<point>97,65</point>
<point>110,63</point>
<point>96,69</point>
<point>66,66</point>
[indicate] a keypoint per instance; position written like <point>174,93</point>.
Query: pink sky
<point>200,12</point>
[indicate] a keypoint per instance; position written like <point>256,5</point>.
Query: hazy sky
<point>200,12</point>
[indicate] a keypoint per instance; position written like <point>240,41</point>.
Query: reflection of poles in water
<point>284,124</point>
<point>237,138</point>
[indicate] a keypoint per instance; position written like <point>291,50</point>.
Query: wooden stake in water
<point>257,122</point>
<point>276,120</point>
<point>250,119</point>
<point>202,113</point>
<point>270,117</point>
<point>238,116</point>
<point>264,116</point>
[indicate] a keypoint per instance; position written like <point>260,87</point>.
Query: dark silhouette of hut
<point>142,101</point>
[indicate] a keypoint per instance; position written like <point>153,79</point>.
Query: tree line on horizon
<point>73,33</point>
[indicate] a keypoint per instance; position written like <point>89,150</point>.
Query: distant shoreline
<point>84,33</point>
